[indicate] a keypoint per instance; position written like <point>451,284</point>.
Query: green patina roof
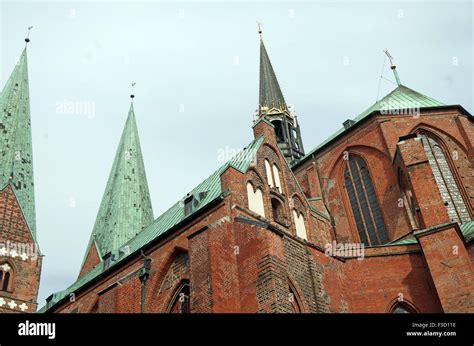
<point>16,154</point>
<point>410,239</point>
<point>467,230</point>
<point>398,100</point>
<point>126,206</point>
<point>203,194</point>
<point>401,98</point>
<point>270,92</point>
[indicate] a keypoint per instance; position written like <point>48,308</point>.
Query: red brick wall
<point>163,255</point>
<point>450,268</point>
<point>378,281</point>
<point>376,141</point>
<point>92,259</point>
<point>26,272</point>
<point>470,250</point>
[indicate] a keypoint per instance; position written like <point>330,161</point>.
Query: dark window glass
<point>4,280</point>
<point>279,131</point>
<point>363,201</point>
<point>401,308</point>
<point>107,261</point>
<point>188,206</point>
<point>277,211</point>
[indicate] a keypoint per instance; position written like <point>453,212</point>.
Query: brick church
<point>377,218</point>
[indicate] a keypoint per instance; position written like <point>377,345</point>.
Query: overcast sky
<point>196,67</point>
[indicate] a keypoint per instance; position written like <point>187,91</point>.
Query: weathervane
<point>27,39</point>
<point>393,66</point>
<point>260,28</point>
<point>132,96</point>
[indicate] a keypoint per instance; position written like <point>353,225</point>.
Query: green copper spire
<point>126,206</point>
<point>16,154</point>
<point>270,92</point>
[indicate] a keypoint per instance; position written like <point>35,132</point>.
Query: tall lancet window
<point>181,302</point>
<point>276,176</point>
<point>363,201</point>
<point>5,277</point>
<point>255,199</point>
<point>445,180</point>
<point>268,171</point>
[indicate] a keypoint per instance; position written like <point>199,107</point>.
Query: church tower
<point>126,205</point>
<point>20,258</point>
<point>273,107</point>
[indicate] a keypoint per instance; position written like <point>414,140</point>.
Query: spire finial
<point>27,39</point>
<point>132,96</point>
<point>260,28</point>
<point>393,67</point>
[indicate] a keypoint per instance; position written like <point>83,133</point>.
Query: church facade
<point>378,218</point>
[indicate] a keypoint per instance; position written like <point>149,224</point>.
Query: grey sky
<point>196,68</point>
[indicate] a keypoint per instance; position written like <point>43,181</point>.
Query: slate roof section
<point>401,99</point>
<point>126,205</point>
<point>16,153</point>
<point>203,194</point>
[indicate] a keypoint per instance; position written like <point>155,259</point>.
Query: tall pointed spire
<point>271,97</point>
<point>126,206</point>
<point>272,106</point>
<point>16,154</point>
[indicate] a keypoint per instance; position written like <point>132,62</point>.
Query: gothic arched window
<point>255,199</point>
<point>401,308</point>
<point>273,175</point>
<point>6,276</point>
<point>276,176</point>
<point>445,180</point>
<point>268,171</point>
<point>363,201</point>
<point>299,224</point>
<point>181,302</point>
<point>278,212</point>
<point>294,303</point>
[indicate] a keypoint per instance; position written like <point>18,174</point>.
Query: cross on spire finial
<point>393,66</point>
<point>27,39</point>
<point>132,96</point>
